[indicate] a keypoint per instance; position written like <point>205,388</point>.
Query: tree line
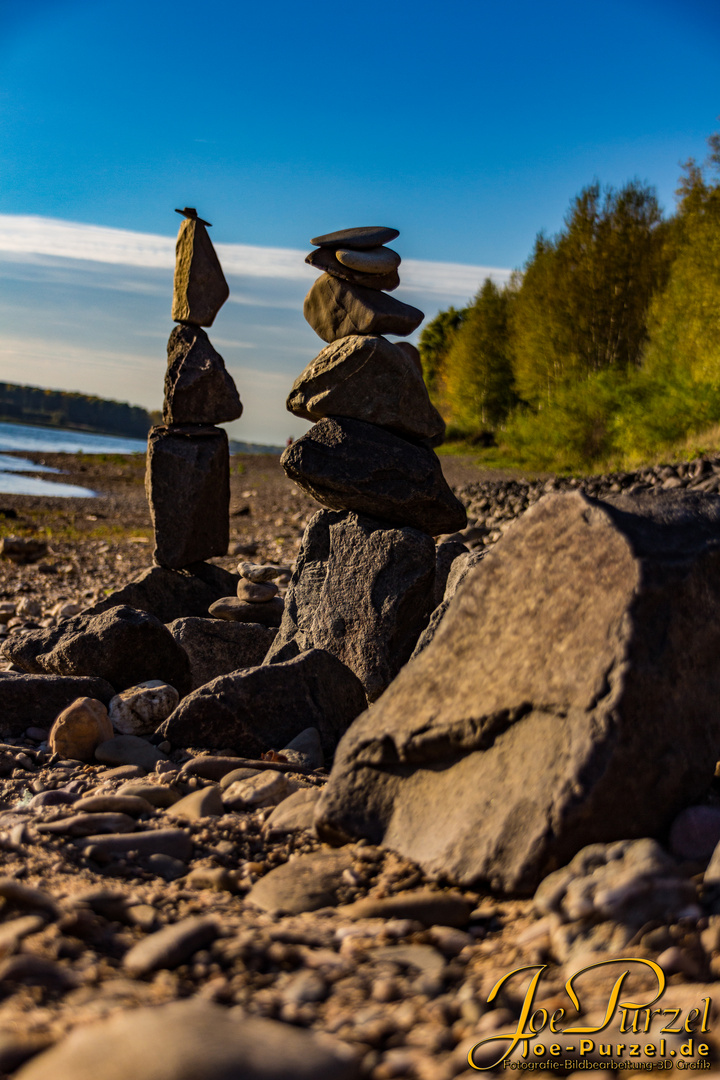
<point>65,409</point>
<point>606,346</point>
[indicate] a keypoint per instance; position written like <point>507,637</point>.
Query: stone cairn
<point>369,456</point>
<point>188,473</point>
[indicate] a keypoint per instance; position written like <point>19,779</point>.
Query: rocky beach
<point>193,880</point>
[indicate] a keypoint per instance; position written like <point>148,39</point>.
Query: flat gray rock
<point>173,594</point>
<point>544,715</point>
<point>129,750</point>
<point>336,308</point>
<point>262,708</point>
<point>199,287</point>
<point>360,590</point>
<point>326,259</point>
<point>188,488</point>
<point>350,465</point>
<point>171,946</point>
<point>198,387</point>
<point>27,700</point>
<point>368,378</point>
<point>122,646</point>
<point>377,260</point>
<point>359,238</point>
<point>191,1040</point>
<point>232,609</point>
<point>215,647</point>
<point>306,883</point>
<point>293,814</point>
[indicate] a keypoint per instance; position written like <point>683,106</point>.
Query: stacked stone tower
<point>188,476</point>
<point>363,583</point>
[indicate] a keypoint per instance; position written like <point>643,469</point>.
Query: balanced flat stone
<point>215,647</point>
<point>362,591</point>
<point>350,465</point>
<point>233,609</point>
<point>198,388</point>
<point>173,594</point>
<point>200,288</point>
<point>568,698</point>
<point>35,700</point>
<point>191,1040</point>
<point>122,646</point>
<point>336,308</point>
<point>326,259</point>
<point>264,708</point>
<point>365,236</point>
<point>368,378</point>
<point>188,488</point>
<point>378,260</point>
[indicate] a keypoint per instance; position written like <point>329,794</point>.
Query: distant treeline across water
<point>65,409</point>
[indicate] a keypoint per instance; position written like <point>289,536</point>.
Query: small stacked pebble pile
<point>371,448</point>
<point>257,599</point>
<point>188,478</point>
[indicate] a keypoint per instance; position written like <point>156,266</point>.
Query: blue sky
<point>466,124</point>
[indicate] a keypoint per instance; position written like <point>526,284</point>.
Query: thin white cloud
<point>26,236</point>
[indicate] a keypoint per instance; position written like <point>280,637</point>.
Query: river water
<point>18,437</point>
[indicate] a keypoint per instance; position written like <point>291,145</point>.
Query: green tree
<point>433,346</point>
<point>479,382</point>
<point>583,300</point>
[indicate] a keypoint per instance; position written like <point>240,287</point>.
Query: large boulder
<point>571,696</point>
<point>216,647</point>
<point>198,387</point>
<point>188,488</point>
<point>173,594</point>
<point>258,709</point>
<point>35,700</point>
<point>350,465</point>
<point>122,646</point>
<point>368,378</point>
<point>361,591</point>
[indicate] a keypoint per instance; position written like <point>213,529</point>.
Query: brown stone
<point>80,729</point>
<point>188,488</point>
<point>198,388</point>
<point>256,592</point>
<point>200,288</point>
<point>368,378</point>
<point>336,309</point>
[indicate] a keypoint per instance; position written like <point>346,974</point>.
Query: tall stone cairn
<point>188,475</point>
<point>363,583</point>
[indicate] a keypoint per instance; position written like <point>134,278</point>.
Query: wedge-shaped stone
<point>335,309</point>
<point>350,465</point>
<point>362,591</point>
<point>570,697</point>
<point>188,488</point>
<point>198,388</point>
<point>263,708</point>
<point>368,378</point>
<point>326,259</point>
<point>200,288</point>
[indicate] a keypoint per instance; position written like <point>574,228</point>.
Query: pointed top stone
<point>365,236</point>
<point>191,212</point>
<point>200,288</point>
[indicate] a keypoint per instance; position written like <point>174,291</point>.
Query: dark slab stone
<point>360,238</point>
<point>258,709</point>
<point>36,700</point>
<point>570,697</point>
<point>198,388</point>
<point>188,488</point>
<point>335,309</point>
<point>361,591</point>
<point>122,646</point>
<point>350,465</point>
<point>368,378</point>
